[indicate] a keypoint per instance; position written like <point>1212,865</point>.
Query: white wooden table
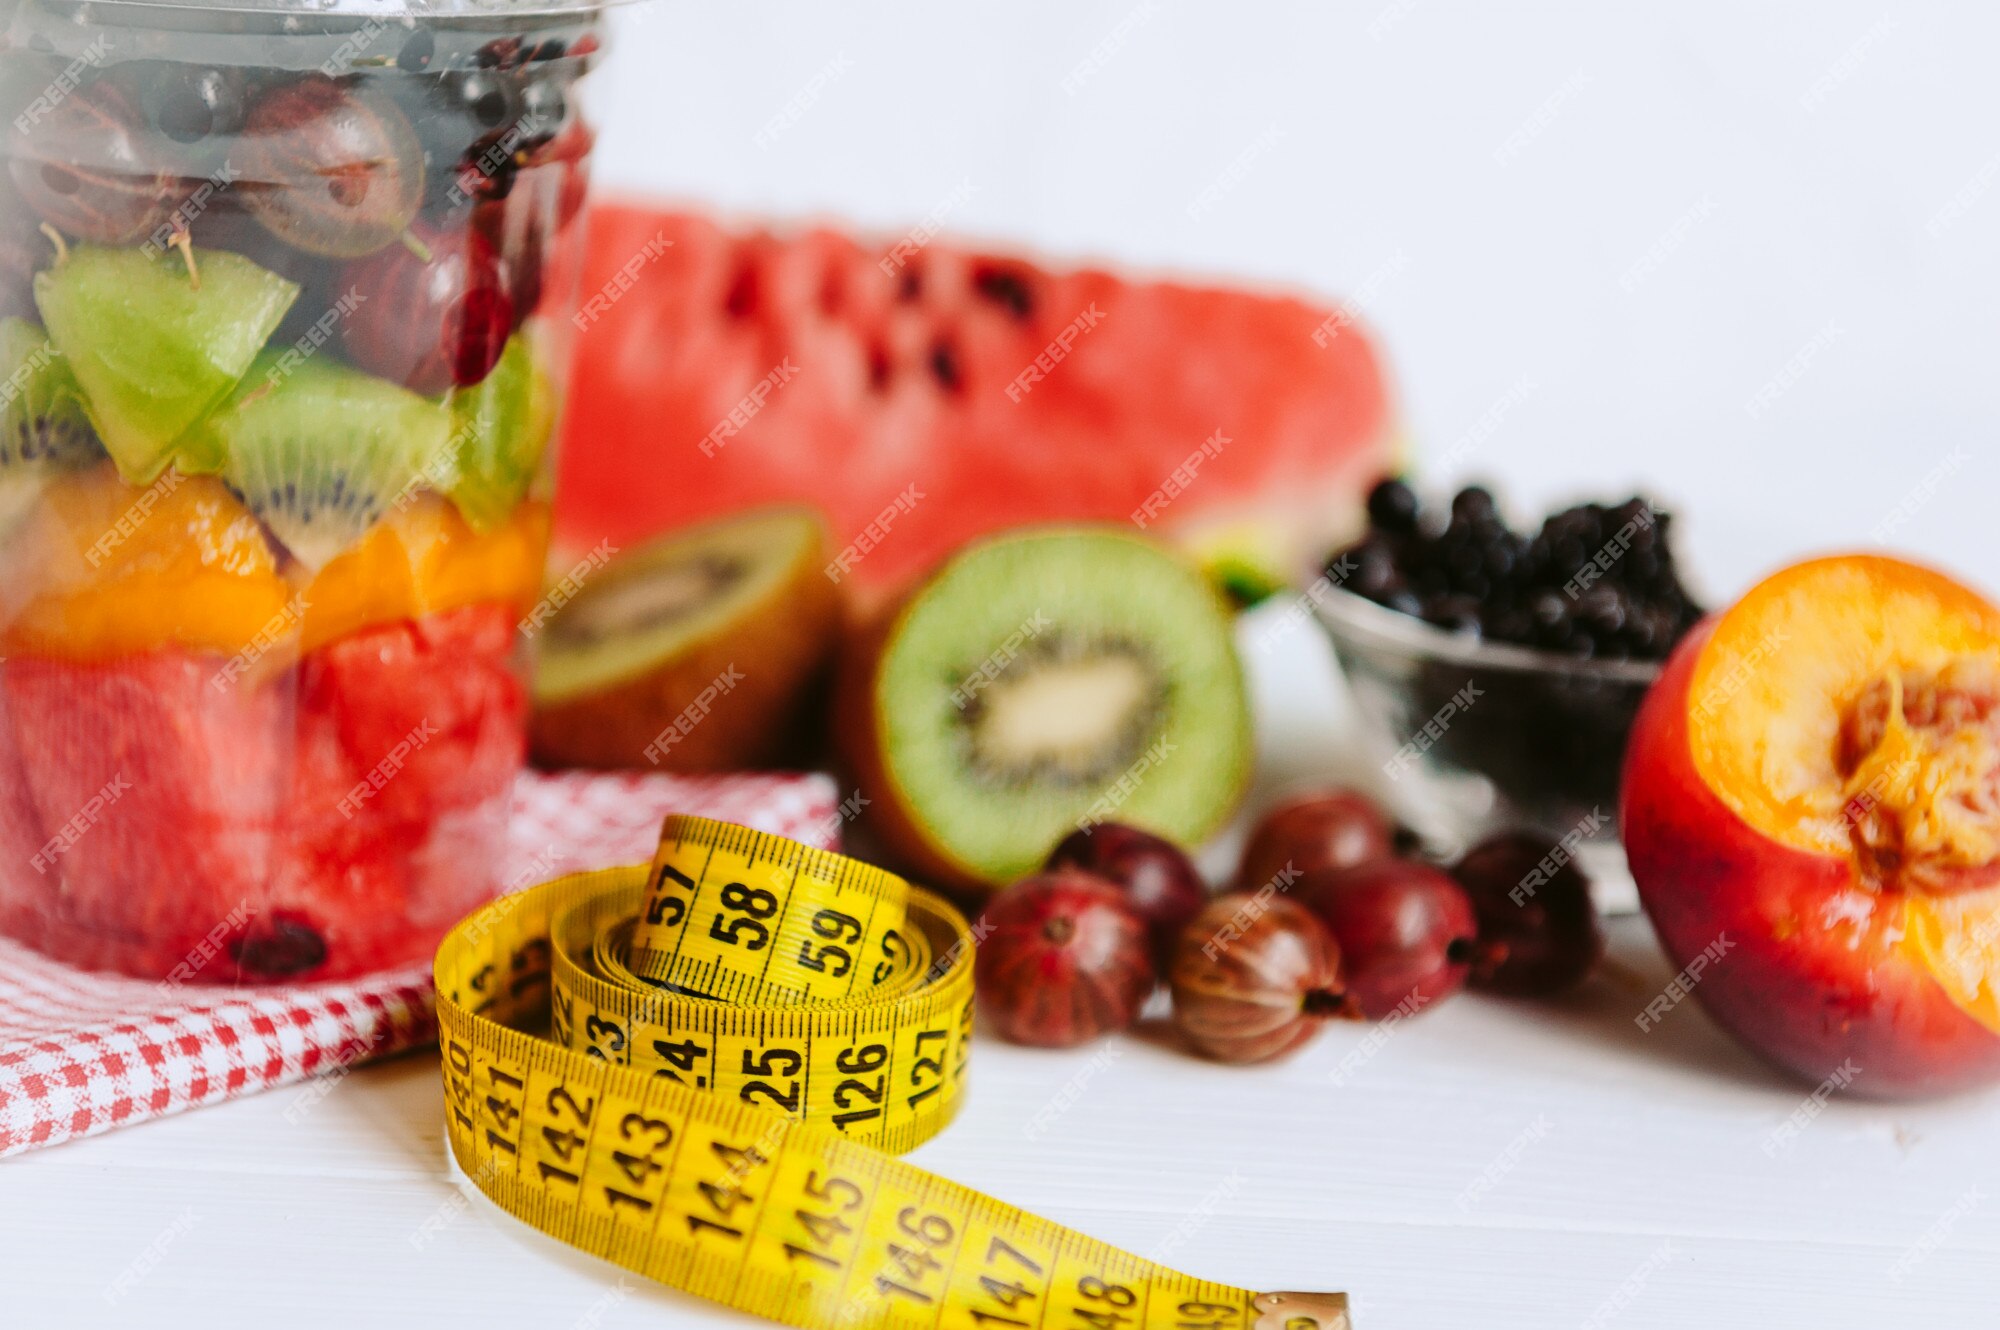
<point>1488,1165</point>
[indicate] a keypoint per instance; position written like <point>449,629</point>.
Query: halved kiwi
<point>1037,683</point>
<point>154,351</point>
<point>499,430</point>
<point>319,451</point>
<point>704,650</point>
<point>43,429</point>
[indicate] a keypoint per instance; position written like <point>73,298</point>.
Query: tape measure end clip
<point>1302,1311</point>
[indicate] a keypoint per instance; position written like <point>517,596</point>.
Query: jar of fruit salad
<point>283,289</point>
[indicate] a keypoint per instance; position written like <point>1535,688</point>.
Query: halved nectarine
<point>1812,799</point>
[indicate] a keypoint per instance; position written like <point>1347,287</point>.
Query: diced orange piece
<point>424,559</point>
<point>100,569</point>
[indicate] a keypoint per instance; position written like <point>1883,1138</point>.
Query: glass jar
<point>283,296</point>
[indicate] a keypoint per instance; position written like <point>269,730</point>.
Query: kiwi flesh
<point>319,451</point>
<point>43,428</point>
<point>704,650</point>
<point>153,350</point>
<point>1038,683</point>
<point>499,429</point>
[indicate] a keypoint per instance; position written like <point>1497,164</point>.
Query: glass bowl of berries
<point>285,290</point>
<point>1496,673</point>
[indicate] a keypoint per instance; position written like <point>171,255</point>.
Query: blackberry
<point>489,99</point>
<point>191,104</point>
<point>1370,569</point>
<point>1602,611</point>
<point>1455,613</point>
<point>1594,579</point>
<point>417,52</point>
<point>1392,507</point>
<point>1465,564</point>
<point>1473,503</point>
<point>544,112</point>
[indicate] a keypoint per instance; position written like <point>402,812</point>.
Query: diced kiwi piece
<point>732,622</point>
<point>319,451</point>
<point>153,349</point>
<point>43,429</point>
<point>499,430</point>
<point>1037,684</point>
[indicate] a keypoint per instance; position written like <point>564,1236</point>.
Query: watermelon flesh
<point>219,835</point>
<point>942,394</point>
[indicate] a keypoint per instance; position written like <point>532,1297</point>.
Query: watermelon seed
<point>1006,288</point>
<point>282,948</point>
<point>741,301</point>
<point>944,364</point>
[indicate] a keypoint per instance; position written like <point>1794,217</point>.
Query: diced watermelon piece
<point>223,826</point>
<point>951,394</point>
<point>429,715</point>
<point>347,888</point>
<point>21,893</point>
<point>157,795</point>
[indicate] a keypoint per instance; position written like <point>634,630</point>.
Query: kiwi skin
<point>771,716</point>
<point>885,820</point>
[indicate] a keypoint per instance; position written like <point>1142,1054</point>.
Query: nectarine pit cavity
<point>1919,758</point>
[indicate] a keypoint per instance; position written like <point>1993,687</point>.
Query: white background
<point>1628,1179</point>
<point>1801,151</point>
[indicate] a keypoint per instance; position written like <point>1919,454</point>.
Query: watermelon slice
<point>941,394</point>
<point>192,806</point>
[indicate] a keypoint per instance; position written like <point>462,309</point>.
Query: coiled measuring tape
<point>699,1070</point>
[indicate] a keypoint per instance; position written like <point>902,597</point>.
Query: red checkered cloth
<point>83,1053</point>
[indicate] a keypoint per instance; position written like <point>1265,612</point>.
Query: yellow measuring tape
<point>699,1070</point>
